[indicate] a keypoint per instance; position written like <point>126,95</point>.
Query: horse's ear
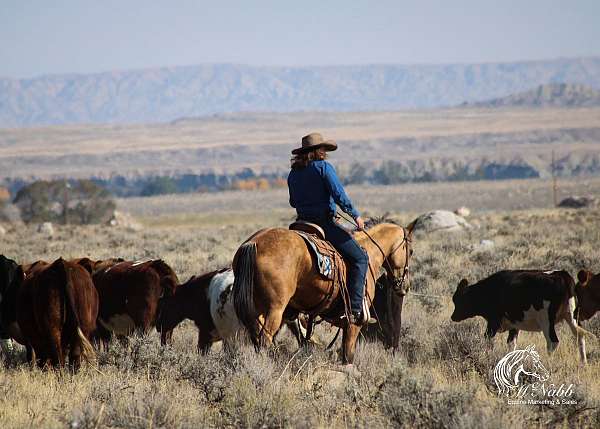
<point>584,276</point>
<point>411,226</point>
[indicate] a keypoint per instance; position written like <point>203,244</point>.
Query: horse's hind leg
<point>271,324</point>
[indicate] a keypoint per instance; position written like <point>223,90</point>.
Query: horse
<point>208,301</point>
<point>510,367</point>
<point>275,276</point>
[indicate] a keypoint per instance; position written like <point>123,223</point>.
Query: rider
<point>314,192</point>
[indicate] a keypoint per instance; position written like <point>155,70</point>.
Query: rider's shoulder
<point>321,164</point>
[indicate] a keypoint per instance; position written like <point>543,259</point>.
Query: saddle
<point>332,267</point>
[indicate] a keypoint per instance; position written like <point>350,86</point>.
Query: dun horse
<point>275,274</point>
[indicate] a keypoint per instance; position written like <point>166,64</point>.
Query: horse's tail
<point>243,288</point>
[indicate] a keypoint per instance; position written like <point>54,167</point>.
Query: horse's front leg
<point>349,338</point>
<point>395,322</point>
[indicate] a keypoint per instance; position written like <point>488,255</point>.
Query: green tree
<point>62,201</point>
<point>160,186</point>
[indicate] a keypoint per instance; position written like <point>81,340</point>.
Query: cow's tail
<point>168,278</point>
<point>243,288</point>
<point>87,350</point>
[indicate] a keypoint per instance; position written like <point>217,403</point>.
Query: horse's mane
<point>376,220</point>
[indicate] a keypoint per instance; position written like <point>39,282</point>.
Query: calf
<point>130,294</point>
<point>56,311</point>
<point>525,300</point>
<point>588,295</point>
<point>208,301</point>
<point>200,299</point>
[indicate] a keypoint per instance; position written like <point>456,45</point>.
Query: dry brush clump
<point>440,377</point>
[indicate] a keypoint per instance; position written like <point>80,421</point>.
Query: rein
<point>397,282</point>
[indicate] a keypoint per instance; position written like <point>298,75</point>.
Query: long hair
<point>302,160</point>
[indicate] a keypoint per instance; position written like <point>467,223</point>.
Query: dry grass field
<point>228,143</point>
<point>442,376</point>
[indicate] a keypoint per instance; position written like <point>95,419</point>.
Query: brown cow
<point>130,294</point>
<point>588,294</point>
<point>57,306</point>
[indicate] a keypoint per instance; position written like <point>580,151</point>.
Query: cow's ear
<point>462,285</point>
<point>19,274</point>
<point>584,276</point>
<point>87,263</point>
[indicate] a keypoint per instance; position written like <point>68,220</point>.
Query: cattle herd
<point>63,311</point>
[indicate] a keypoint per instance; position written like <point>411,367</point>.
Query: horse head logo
<point>510,368</point>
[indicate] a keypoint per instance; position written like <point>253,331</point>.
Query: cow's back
<point>129,293</point>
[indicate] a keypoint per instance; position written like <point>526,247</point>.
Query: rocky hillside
<point>550,95</point>
<point>165,94</point>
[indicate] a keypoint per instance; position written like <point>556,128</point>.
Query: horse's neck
<point>384,239</point>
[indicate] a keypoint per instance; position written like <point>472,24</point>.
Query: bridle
<point>395,283</point>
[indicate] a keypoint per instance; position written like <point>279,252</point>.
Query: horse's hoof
<point>351,370</point>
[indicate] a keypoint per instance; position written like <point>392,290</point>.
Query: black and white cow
<point>208,301</point>
<point>8,277</point>
<point>525,300</point>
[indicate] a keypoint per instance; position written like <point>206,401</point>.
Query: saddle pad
<point>331,266</point>
<point>328,259</point>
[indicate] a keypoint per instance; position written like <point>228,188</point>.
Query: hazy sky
<point>56,36</point>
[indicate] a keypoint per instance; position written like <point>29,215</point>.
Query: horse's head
<point>532,364</point>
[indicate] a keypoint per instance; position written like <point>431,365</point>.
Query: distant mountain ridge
<point>165,94</point>
<point>550,95</point>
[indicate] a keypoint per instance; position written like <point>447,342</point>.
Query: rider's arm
<point>292,202</point>
<point>336,190</point>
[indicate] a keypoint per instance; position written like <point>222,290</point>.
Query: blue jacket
<point>316,189</point>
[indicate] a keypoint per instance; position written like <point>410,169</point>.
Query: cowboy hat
<point>314,141</point>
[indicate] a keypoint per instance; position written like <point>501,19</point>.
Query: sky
<point>39,37</point>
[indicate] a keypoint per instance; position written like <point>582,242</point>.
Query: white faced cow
<point>526,300</point>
